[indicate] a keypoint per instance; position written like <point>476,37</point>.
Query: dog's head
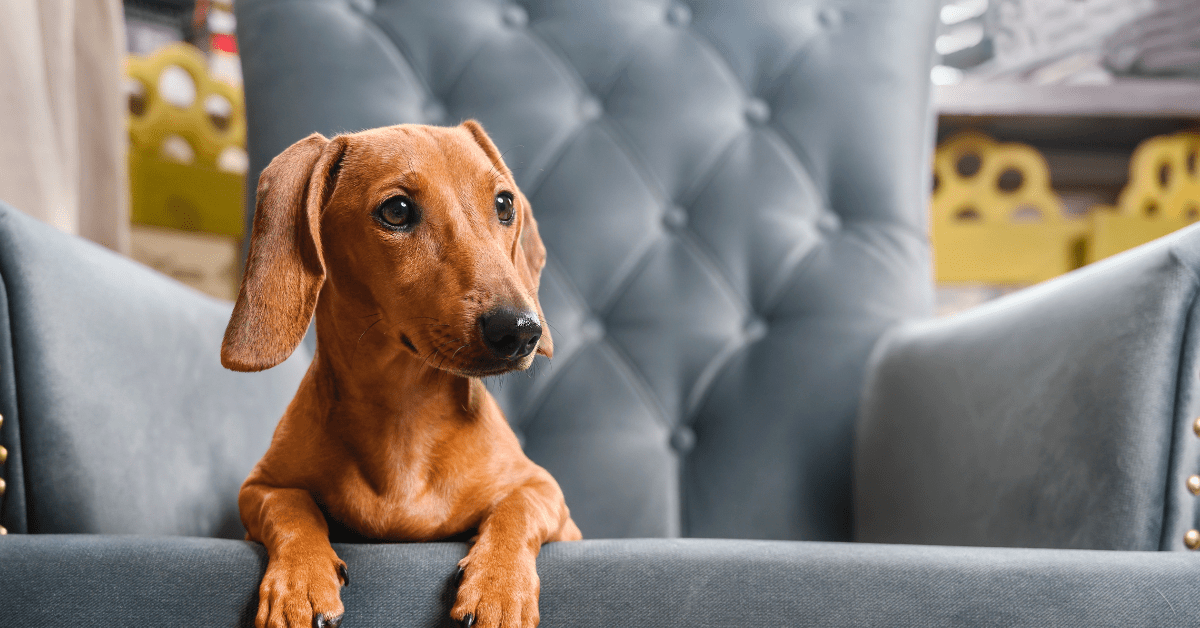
<point>417,232</point>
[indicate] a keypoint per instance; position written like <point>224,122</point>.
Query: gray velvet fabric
<point>732,195</point>
<point>1057,417</point>
<point>118,415</point>
<point>146,581</point>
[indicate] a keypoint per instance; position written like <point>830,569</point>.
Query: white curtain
<point>62,116</point>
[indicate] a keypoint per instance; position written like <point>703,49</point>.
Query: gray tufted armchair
<point>733,198</point>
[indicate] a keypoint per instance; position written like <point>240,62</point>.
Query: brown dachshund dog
<point>421,260</point>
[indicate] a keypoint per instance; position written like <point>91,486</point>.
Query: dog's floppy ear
<point>532,249</point>
<point>285,268</point>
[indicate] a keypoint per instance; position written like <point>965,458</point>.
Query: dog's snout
<point>511,333</point>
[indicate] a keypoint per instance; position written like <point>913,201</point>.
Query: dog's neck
<point>367,374</point>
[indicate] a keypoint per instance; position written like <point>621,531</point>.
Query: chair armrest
<point>173,581</point>
<point>1060,416</point>
<point>118,416</point>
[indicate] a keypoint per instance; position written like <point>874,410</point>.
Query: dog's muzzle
<point>510,333</point>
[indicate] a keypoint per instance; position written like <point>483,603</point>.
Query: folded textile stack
<point>1165,42</point>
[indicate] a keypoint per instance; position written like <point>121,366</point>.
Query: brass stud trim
<point>1192,539</point>
<point>3,486</point>
<point>1196,426</point>
<point>1193,484</point>
<point>3,455</point>
<point>3,530</point>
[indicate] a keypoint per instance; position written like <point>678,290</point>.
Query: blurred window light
<point>945,75</point>
<point>961,38</point>
<point>963,10</point>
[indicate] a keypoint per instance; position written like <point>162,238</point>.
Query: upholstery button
<point>363,6</point>
<point>592,329</point>
<point>1191,539</point>
<point>433,112</point>
<point>683,439</point>
<point>515,16</point>
<point>3,455</point>
<point>675,218</point>
<point>679,14</point>
<point>829,221</point>
<point>590,108</point>
<point>757,111</point>
<point>755,329</point>
<point>830,17</point>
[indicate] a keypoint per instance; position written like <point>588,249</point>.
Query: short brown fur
<point>392,434</point>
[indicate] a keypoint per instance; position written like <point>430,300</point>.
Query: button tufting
<point>755,329</point>
<point>515,16</point>
<point>363,6</point>
<point>675,218</point>
<point>830,17</point>
<point>433,112</point>
<point>590,108</point>
<point>683,439</point>
<point>757,111</point>
<point>829,221</point>
<point>592,329</point>
<point>679,14</point>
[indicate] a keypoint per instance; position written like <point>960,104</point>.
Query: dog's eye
<point>504,207</point>
<point>397,212</point>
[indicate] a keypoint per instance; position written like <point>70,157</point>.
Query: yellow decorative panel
<point>187,135</point>
<point>994,217</point>
<point>1163,195</point>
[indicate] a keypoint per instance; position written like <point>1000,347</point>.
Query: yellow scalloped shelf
<point>1163,195</point>
<point>995,218</point>
<point>187,158</point>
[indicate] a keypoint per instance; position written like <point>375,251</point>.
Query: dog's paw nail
<point>320,621</point>
<point>468,620</point>
<point>344,574</point>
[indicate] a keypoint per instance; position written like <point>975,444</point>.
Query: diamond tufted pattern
<point>732,198</point>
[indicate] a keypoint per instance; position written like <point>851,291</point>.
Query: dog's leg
<point>500,585</point>
<point>304,575</point>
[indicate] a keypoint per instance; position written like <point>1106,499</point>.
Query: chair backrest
<point>733,198</point>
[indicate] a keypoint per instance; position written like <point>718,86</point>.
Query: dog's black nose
<point>511,333</point>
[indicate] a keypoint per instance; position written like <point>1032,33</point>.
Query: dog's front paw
<point>497,592</point>
<point>302,592</point>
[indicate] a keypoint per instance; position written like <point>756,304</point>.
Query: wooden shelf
<point>1140,98</point>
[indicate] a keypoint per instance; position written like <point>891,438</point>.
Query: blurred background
<point>1068,131</point>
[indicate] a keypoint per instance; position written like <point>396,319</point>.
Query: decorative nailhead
<point>1192,539</point>
<point>3,530</point>
<point>1193,484</point>
<point>1196,426</point>
<point>3,455</point>
<point>3,485</point>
